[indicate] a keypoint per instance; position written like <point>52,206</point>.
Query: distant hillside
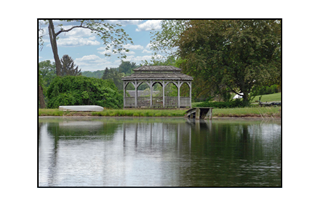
<point>94,74</point>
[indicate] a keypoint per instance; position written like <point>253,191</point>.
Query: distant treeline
<point>94,74</point>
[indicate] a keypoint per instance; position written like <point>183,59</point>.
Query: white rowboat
<point>81,108</point>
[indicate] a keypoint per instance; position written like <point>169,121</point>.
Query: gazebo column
<point>124,94</point>
<point>179,84</point>
<point>135,94</point>
<point>190,85</point>
<point>151,92</point>
<point>163,94</point>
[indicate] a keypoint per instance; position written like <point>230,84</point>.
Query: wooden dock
<point>199,113</point>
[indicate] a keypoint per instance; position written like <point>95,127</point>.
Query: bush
<point>230,104</point>
<point>80,90</point>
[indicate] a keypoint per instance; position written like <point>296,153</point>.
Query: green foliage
<point>164,41</point>
<point>230,104</point>
<point>79,90</point>
<point>126,67</point>
<point>224,56</point>
<point>262,90</point>
<point>47,72</point>
<point>232,55</point>
<point>115,76</point>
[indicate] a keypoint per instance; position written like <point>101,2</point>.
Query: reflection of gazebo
<point>152,75</point>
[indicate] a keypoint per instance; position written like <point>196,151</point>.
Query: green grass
<point>51,112</point>
<point>268,98</point>
<point>230,112</point>
<point>115,112</point>
<point>247,112</point>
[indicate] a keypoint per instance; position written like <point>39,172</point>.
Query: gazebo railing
<point>185,101</point>
<point>129,102</point>
<point>157,102</point>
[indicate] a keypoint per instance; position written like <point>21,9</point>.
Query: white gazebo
<point>152,75</point>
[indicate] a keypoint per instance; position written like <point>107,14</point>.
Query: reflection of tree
<point>200,153</point>
<point>229,155</point>
<point>77,129</point>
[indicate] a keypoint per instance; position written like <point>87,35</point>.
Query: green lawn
<point>115,112</point>
<point>268,97</point>
<point>248,112</point>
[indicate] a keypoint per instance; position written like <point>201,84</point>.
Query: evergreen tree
<point>105,73</point>
<point>114,75</point>
<point>68,67</point>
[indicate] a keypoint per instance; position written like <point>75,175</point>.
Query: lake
<point>158,152</point>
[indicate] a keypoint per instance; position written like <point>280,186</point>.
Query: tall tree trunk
<point>41,98</point>
<point>54,47</point>
<point>246,98</point>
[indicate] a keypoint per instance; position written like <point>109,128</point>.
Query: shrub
<point>79,90</point>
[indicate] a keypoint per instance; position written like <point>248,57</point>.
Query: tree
<point>40,92</point>
<point>233,55</point>
<point>165,41</point>
<point>46,74</point>
<point>126,67</point>
<point>112,35</point>
<point>47,70</point>
<point>115,76</point>
<point>68,67</point>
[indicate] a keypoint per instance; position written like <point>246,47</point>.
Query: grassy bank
<point>248,112</point>
<point>114,112</point>
<point>268,98</point>
<point>232,112</point>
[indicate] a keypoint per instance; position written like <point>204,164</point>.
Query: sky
<point>88,51</point>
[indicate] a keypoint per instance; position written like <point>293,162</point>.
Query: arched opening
<point>129,94</point>
<point>185,95</point>
<point>171,95</point>
<point>157,95</point>
<point>143,91</point>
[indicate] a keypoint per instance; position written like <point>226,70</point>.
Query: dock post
<point>210,114</point>
<point>197,113</point>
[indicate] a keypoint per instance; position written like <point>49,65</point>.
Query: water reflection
<point>159,152</point>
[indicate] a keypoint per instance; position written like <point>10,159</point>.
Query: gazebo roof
<point>157,73</point>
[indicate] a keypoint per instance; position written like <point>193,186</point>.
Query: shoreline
<point>214,117</point>
<point>254,112</point>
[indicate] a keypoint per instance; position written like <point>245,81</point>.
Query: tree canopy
<point>226,55</point>
<point>126,67</point>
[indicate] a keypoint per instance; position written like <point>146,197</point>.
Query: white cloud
<point>91,63</point>
<point>138,59</point>
<point>146,51</point>
<point>149,25</point>
<point>133,47</point>
<point>77,37</point>
<point>74,41</point>
<point>125,22</point>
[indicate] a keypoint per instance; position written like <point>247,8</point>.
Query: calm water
<point>159,152</point>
